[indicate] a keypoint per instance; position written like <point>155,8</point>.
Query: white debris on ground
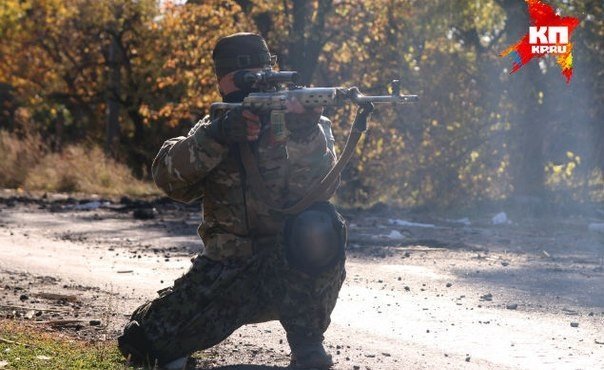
<point>596,227</point>
<point>90,206</point>
<point>500,219</point>
<point>464,221</point>
<point>395,235</point>
<point>399,222</point>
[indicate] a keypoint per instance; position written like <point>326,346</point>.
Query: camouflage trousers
<point>214,298</point>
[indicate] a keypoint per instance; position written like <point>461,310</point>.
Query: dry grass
<point>90,171</point>
<point>26,163</point>
<point>18,155</point>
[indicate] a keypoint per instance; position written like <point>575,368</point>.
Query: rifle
<point>270,99</point>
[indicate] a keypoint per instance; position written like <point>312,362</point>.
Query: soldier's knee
<point>315,239</point>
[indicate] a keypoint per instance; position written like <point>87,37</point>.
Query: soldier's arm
<point>311,155</point>
<point>182,163</point>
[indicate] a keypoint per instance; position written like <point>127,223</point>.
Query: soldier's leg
<point>308,301</point>
<point>313,276</point>
<point>202,308</point>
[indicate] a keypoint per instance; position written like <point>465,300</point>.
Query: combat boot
<point>134,345</point>
<point>178,364</point>
<point>310,356</point>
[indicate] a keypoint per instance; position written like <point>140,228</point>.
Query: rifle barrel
<point>381,99</point>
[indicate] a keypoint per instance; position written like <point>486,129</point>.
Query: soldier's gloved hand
<point>363,112</point>
<point>300,120</point>
<point>236,126</point>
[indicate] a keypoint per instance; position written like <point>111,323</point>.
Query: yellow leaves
<point>379,145</point>
<point>540,97</point>
<point>166,110</point>
<point>438,143</point>
<point>573,157</point>
<point>170,63</point>
<point>570,167</point>
<point>11,15</point>
<point>502,167</point>
<point>563,174</point>
<point>144,110</point>
<point>453,126</point>
<point>185,36</point>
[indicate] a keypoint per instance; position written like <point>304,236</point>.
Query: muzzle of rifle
<point>358,98</point>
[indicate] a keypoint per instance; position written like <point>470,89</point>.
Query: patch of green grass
<point>25,347</point>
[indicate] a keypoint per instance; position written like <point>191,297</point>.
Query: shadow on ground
<point>242,367</point>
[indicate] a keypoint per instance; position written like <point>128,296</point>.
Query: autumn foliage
<point>125,75</point>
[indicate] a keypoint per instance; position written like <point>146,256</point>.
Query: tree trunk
<point>307,37</point>
<point>113,104</point>
<point>524,88</point>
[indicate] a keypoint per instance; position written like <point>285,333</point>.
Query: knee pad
<point>315,239</point>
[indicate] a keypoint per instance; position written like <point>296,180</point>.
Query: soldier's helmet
<point>240,51</point>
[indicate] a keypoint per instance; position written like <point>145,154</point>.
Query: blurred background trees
<point>126,75</point>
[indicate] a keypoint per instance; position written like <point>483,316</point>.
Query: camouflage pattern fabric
<point>214,298</point>
<point>196,166</point>
<point>241,276</point>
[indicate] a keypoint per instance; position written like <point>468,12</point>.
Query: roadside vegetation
<point>26,347</point>
<point>27,163</point>
<point>127,75</point>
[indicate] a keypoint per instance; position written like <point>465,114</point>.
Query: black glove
<point>234,127</point>
<point>302,122</point>
<point>363,112</point>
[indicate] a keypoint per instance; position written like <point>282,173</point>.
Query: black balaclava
<point>236,52</point>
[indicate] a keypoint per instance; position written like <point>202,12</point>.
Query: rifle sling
<point>318,190</point>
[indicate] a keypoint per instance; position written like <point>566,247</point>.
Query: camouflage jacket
<point>197,167</point>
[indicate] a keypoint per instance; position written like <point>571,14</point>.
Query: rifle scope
<point>247,79</point>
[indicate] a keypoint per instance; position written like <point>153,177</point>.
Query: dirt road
<point>430,295</point>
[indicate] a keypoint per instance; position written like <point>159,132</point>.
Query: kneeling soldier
<point>257,264</point>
